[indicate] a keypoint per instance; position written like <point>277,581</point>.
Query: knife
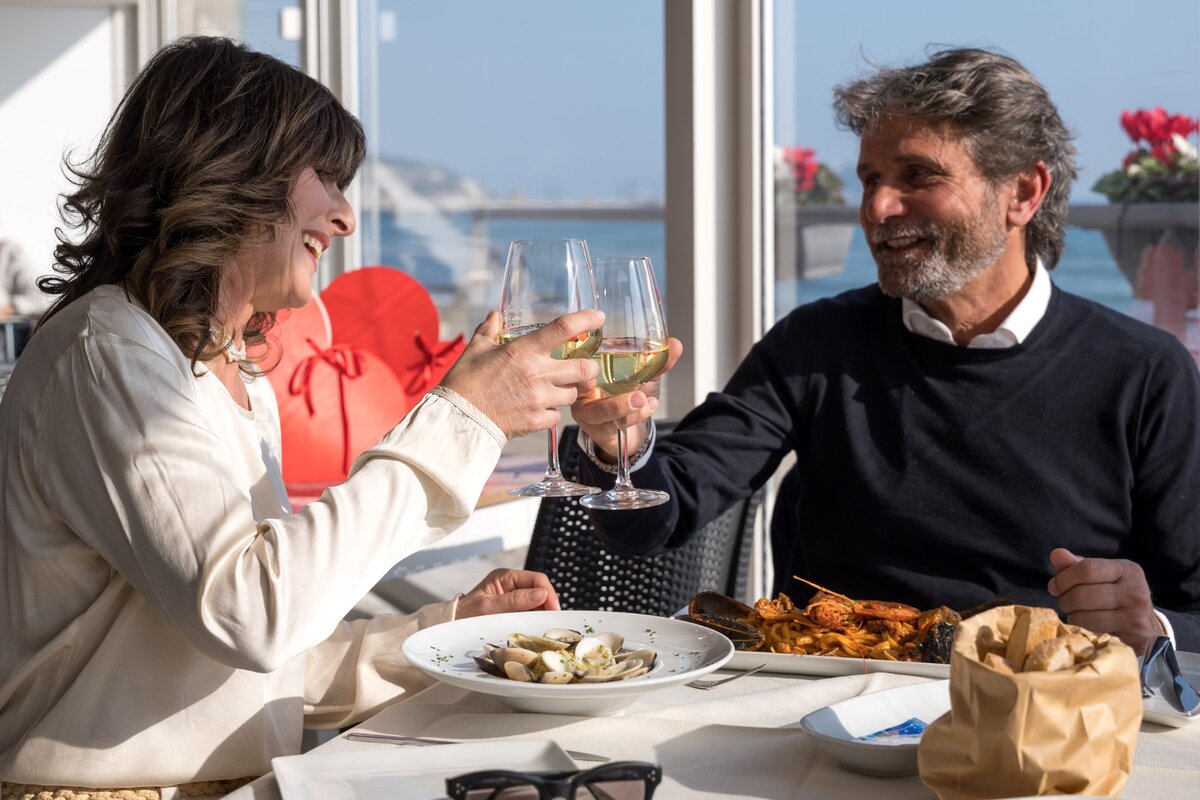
<point>1185,694</point>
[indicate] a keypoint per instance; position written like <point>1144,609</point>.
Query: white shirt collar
<point>1015,328</point>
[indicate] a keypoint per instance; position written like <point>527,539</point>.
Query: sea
<point>1086,268</point>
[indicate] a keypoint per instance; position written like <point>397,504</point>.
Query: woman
<point>166,619</point>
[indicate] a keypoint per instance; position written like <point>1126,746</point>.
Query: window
<point>1091,76</point>
<point>489,121</point>
<point>269,26</point>
<point>64,69</point>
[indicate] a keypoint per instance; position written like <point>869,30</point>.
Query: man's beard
<point>959,250</point>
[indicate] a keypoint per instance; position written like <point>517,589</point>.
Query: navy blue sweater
<point>935,474</point>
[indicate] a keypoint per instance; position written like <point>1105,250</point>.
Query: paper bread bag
<point>1037,707</point>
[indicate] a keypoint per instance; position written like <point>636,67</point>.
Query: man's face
<point>932,220</point>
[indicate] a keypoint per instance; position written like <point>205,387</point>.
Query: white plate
<point>405,773</point>
<point>1157,708</point>
<point>830,666</point>
<point>685,651</point>
<point>835,728</point>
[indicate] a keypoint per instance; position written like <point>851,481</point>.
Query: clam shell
<point>488,665</point>
<point>613,640</point>
<point>645,655</point>
<point>503,655</point>
<point>555,677</point>
<point>556,661</point>
<point>565,635</point>
<point>593,652</point>
<point>518,672</point>
<point>613,672</point>
<point>537,644</point>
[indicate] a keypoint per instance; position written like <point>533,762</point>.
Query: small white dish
<point>685,652</point>
<point>1158,709</point>
<point>836,728</point>
<point>405,773</point>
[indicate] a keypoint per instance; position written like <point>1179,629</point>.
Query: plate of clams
<point>583,663</point>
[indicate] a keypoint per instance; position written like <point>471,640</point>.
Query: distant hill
<point>436,184</point>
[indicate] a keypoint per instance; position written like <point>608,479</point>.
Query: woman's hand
<point>598,415</point>
<point>505,590</point>
<point>518,385</point>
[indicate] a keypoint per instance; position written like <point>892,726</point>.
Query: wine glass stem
<point>552,468</point>
<point>622,483</point>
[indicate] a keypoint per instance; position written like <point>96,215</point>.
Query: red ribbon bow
<point>346,360</point>
<point>430,359</point>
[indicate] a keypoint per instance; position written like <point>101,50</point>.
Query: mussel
<point>726,616</point>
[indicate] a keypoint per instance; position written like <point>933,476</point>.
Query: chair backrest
<point>588,575</point>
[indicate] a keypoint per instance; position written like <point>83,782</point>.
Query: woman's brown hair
<point>197,161</point>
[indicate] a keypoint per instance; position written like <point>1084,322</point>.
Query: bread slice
<point>988,643</point>
<point>998,663</point>
<point>1050,655</point>
<point>1033,626</point>
<point>1081,647</point>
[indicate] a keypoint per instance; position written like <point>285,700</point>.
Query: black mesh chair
<point>588,575</point>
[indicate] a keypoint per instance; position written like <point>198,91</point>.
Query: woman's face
<point>278,273</point>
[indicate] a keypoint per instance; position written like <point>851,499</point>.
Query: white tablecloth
<point>739,740</point>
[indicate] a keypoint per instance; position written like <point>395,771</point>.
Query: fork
<point>711,684</point>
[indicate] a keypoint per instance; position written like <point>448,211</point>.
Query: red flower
<point>1130,123</point>
<point>804,166</point>
<point>1155,126</point>
<point>1163,151</point>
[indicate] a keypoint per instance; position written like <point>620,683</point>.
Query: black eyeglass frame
<point>556,784</point>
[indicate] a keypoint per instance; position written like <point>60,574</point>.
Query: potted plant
<point>1161,168</point>
<point>807,243</point>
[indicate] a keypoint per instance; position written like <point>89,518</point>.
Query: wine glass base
<point>625,500</point>
<point>554,487</point>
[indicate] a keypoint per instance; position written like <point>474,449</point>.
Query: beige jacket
<point>164,618</point>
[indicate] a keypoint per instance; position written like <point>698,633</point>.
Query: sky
<point>1095,57</point>
<point>556,99</point>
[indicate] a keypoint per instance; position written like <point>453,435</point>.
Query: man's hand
<point>598,415</point>
<point>505,590</point>
<point>1108,595</point>
<point>518,385</point>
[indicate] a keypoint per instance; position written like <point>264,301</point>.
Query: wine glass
<point>633,349</point>
<point>544,279</point>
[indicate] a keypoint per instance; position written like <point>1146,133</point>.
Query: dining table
<point>739,740</point>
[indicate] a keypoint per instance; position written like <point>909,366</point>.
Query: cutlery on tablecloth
<point>711,684</point>
<point>395,738</point>
<point>1153,653</point>
<point>1183,694</point>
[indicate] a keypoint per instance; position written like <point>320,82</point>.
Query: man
<point>964,430</point>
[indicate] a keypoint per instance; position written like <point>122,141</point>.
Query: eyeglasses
<point>618,780</point>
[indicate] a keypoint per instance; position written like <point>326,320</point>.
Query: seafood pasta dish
<point>831,624</point>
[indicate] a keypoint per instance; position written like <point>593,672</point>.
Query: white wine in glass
<point>633,349</point>
<point>544,279</point>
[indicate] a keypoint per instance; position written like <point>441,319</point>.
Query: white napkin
<point>738,741</point>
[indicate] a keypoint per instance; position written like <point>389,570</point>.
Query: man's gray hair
<point>1006,119</point>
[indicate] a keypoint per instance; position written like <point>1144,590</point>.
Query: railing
<point>1080,215</point>
<point>1142,216</point>
<point>474,292</point>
